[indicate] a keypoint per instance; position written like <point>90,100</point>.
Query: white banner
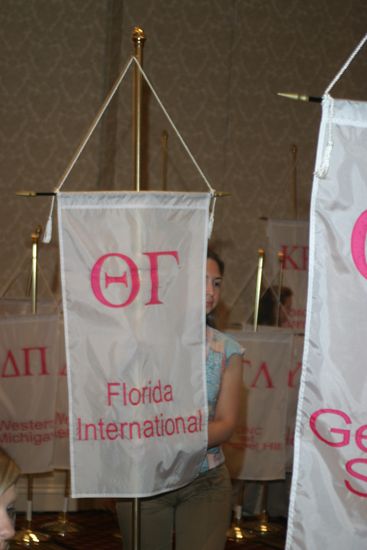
<point>61,456</point>
<point>294,376</point>
<point>256,451</point>
<point>29,370</point>
<point>290,237</point>
<point>133,277</point>
<point>329,487</point>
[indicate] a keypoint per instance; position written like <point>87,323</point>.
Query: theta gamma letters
<point>131,274</point>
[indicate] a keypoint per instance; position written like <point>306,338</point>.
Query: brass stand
<point>237,531</point>
<point>62,526</point>
<point>262,525</point>
<point>27,536</point>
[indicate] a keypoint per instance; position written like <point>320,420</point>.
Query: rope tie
<point>48,229</point>
<point>328,103</point>
<point>174,128</point>
<point>346,64</point>
<point>321,172</point>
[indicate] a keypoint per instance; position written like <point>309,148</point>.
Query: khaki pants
<point>198,513</point>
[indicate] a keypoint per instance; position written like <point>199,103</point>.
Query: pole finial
<point>138,36</point>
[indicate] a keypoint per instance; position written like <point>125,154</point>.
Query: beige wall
<point>216,65</point>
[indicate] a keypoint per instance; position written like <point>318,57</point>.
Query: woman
<point>268,307</point>
<point>9,473</point>
<point>199,513</point>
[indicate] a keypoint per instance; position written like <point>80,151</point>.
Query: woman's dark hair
<point>210,319</point>
<point>214,256</point>
<point>268,304</point>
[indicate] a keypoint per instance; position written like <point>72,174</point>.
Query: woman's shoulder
<point>223,342</point>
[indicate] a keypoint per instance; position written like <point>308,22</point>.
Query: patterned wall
<point>216,65</point>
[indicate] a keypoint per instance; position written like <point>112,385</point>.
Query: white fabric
<point>29,372</point>
<point>61,454</point>
<point>256,451</point>
<point>133,278</point>
<point>294,376</point>
<point>329,489</point>
<point>291,238</point>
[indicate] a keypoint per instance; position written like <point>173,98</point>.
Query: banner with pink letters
<point>257,449</point>
<point>30,371</point>
<point>289,238</point>
<point>133,281</point>
<point>329,487</point>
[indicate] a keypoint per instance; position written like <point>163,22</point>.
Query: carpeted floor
<point>98,530</point>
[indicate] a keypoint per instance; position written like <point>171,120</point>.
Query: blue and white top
<point>219,349</point>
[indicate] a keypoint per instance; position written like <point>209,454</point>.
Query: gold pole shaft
<point>35,239</point>
<point>280,285</point>
<point>138,38</point>
<point>34,277</point>
<point>260,265</point>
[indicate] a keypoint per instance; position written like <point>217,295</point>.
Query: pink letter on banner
<point>358,242</point>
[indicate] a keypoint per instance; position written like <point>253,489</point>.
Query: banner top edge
<point>135,193</point>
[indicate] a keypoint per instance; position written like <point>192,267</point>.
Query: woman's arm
<point>226,412</point>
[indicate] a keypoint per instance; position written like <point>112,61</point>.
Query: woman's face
<point>7,516</point>
<point>213,284</point>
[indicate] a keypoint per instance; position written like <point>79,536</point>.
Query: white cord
<point>48,230</point>
<point>322,171</point>
<point>346,65</point>
<point>93,125</point>
<point>323,168</point>
<point>211,189</point>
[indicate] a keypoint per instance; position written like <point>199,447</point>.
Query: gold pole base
<point>28,537</point>
<point>237,533</point>
<point>62,526</point>
<point>263,526</point>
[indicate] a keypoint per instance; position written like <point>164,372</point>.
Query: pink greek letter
<point>154,278</point>
<point>358,241</point>
<point>96,279</point>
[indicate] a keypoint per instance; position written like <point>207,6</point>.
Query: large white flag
<point>329,488</point>
<point>133,276</point>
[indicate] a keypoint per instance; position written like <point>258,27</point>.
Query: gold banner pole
<point>62,526</point>
<point>35,239</point>
<point>260,265</point>
<point>27,535</point>
<point>237,532</point>
<point>280,285</point>
<point>262,525</point>
<point>138,38</point>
